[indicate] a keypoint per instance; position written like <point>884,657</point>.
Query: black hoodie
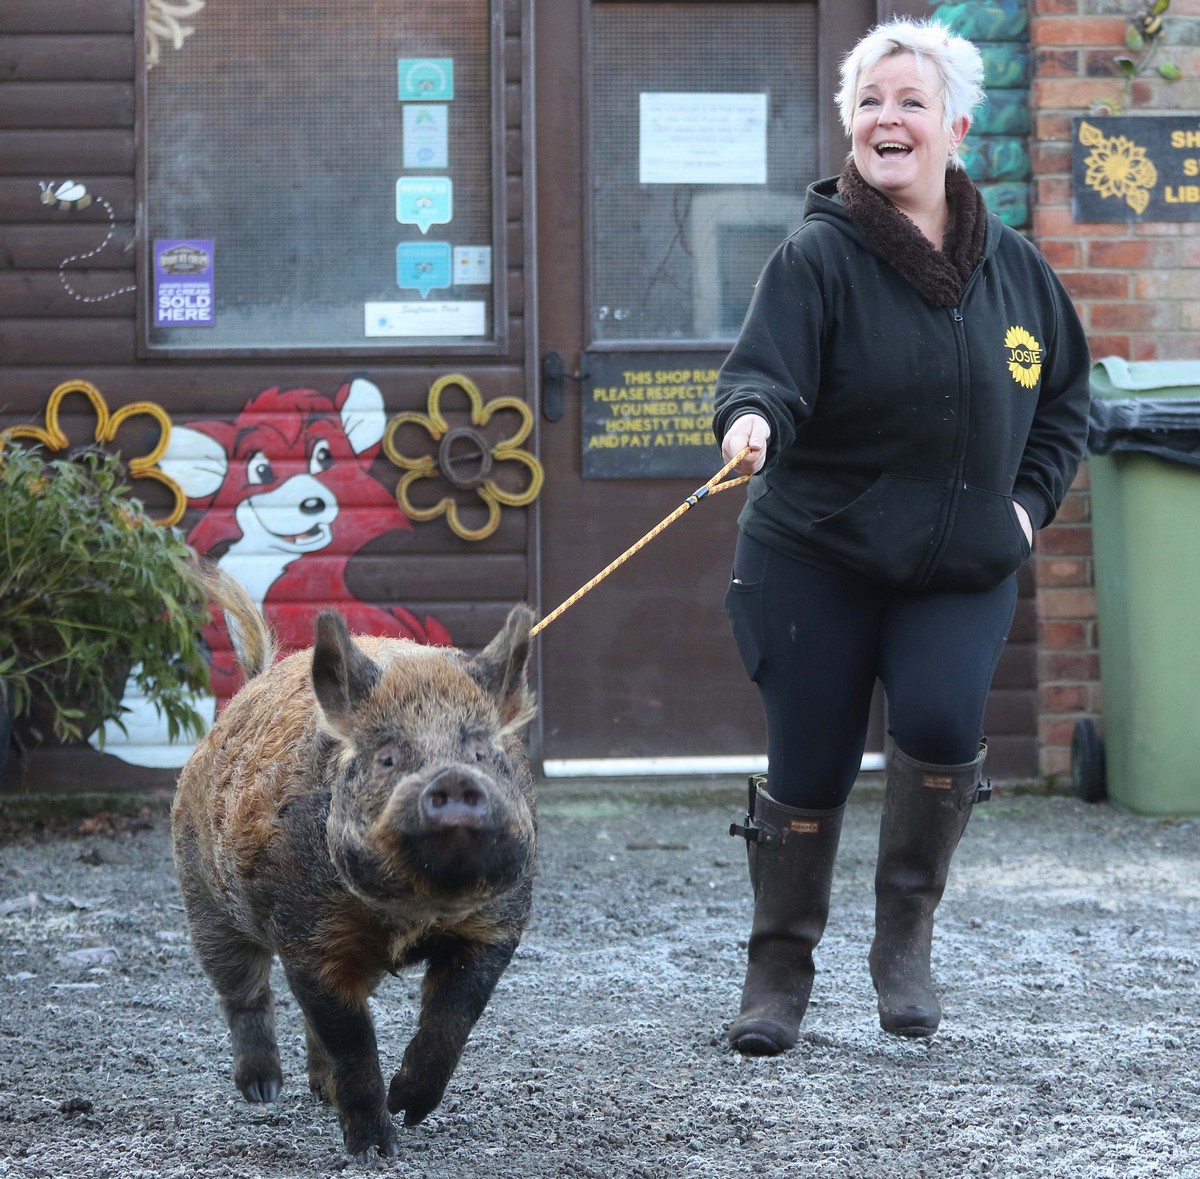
<point>902,431</point>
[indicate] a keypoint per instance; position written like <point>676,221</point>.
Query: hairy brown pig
<point>359,808</point>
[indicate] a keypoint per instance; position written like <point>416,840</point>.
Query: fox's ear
<point>196,461</point>
<point>363,416</point>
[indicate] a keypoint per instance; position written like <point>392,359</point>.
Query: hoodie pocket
<point>887,531</point>
<point>986,542</point>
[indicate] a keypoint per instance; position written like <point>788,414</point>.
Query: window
<point>322,178</point>
<point>703,138</point>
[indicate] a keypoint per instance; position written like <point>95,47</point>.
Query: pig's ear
<point>342,675</point>
<point>501,669</point>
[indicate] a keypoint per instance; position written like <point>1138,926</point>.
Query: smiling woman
<point>901,143</point>
<point>907,113</point>
<point>912,381</point>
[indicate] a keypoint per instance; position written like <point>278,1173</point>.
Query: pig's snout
<point>456,798</point>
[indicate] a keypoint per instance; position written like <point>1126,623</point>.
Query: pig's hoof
<point>262,1092</point>
<point>416,1101</point>
<point>259,1085</point>
<point>381,1135</point>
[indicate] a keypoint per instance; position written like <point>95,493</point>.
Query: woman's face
<point>898,135</point>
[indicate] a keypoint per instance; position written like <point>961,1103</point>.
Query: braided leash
<point>710,488</point>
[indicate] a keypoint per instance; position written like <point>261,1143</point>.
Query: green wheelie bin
<point>1144,440</point>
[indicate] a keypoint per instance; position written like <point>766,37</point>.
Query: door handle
<point>554,376</point>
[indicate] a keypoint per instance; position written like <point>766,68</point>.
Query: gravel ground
<point>1066,953</point>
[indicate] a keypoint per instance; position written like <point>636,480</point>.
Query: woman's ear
<point>958,132</point>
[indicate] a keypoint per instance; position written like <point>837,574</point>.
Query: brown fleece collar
<point>939,275</point>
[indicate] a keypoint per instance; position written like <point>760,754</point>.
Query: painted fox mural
<point>288,499</point>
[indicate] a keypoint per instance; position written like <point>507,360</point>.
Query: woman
<point>912,383</point>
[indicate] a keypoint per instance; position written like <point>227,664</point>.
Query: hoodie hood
<point>871,220</point>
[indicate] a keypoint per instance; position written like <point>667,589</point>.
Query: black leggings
<point>815,642</point>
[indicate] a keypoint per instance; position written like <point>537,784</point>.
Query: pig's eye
<point>477,749</point>
<point>259,469</point>
<point>392,756</point>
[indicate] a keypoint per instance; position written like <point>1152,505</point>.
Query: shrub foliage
<point>91,589</point>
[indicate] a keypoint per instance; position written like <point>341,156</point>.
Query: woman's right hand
<point>754,431</point>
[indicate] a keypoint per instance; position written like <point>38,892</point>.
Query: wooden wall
<point>68,308</point>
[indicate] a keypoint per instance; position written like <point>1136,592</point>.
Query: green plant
<point>92,590</point>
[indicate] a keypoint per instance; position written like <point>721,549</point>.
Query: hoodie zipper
<point>946,522</point>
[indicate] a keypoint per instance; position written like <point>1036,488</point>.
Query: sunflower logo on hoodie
<point>1024,357</point>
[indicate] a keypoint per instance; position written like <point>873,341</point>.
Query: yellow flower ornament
<point>53,437</point>
<point>1117,167</point>
<point>464,458</point>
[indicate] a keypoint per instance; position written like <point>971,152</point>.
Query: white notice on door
<point>703,139</point>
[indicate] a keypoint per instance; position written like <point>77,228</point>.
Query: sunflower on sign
<point>1117,167</point>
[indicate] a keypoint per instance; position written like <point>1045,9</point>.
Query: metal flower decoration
<point>464,457</point>
<point>53,437</point>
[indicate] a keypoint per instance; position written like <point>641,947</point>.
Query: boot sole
<point>912,1031</point>
<point>757,1044</point>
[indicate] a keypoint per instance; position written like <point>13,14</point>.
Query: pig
<point>357,808</point>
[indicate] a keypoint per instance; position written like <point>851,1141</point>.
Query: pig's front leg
<point>344,1031</point>
<point>459,980</point>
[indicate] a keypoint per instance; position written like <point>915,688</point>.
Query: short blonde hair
<point>958,62</point>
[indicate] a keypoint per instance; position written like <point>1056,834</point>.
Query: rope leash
<point>710,488</point>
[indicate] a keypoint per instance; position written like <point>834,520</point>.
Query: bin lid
<point>1114,376</point>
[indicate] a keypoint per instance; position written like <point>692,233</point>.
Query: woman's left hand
<point>1025,522</point>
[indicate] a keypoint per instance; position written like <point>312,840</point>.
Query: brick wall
<point>1137,289</point>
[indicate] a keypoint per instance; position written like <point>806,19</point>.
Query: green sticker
<point>426,79</point>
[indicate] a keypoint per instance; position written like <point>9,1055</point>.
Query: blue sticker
<point>423,266</point>
<point>426,79</point>
<point>424,201</point>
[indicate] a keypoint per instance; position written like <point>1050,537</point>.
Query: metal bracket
<point>554,374</point>
<point>752,831</point>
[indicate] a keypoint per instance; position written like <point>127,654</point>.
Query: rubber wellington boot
<point>791,854</point>
<point>925,811</point>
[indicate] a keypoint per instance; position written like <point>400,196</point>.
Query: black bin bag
<point>1166,427</point>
